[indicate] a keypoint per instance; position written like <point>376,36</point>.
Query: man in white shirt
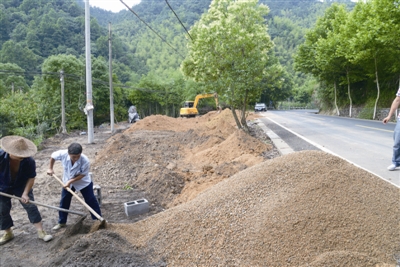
<point>76,176</point>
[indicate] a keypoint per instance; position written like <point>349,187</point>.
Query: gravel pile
<point>304,209</point>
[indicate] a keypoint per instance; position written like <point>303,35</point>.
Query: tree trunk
<point>348,92</point>
<point>337,109</point>
<point>243,114</point>
<point>236,117</point>
<point>243,121</point>
<point>232,107</point>
<point>377,87</point>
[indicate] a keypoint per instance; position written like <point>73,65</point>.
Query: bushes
<point>20,116</point>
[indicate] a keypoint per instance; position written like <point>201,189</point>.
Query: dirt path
<point>218,197</point>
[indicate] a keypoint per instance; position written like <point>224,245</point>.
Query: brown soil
<point>219,197</point>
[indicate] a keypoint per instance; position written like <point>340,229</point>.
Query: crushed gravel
<point>303,209</point>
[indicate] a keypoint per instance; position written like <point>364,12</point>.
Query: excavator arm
<point>190,107</point>
<point>198,97</point>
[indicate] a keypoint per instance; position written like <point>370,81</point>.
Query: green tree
<point>20,116</point>
<point>48,90</point>
<point>277,85</point>
<point>331,63</point>
<point>12,52</point>
<point>146,96</point>
<point>229,52</point>
<point>157,96</point>
<point>369,45</point>
<point>318,54</point>
<point>101,93</point>
<point>5,25</point>
<point>11,78</point>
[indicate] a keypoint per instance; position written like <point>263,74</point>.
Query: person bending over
<point>75,176</point>
<point>17,176</point>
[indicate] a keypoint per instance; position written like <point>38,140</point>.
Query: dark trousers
<point>5,208</point>
<point>87,194</point>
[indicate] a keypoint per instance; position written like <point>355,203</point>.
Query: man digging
<point>76,176</point>
<point>17,176</point>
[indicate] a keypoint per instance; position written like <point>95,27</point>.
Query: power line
<point>97,81</point>
<point>130,9</point>
<point>29,72</point>
<point>179,20</point>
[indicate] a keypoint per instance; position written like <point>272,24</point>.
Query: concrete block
<point>136,207</point>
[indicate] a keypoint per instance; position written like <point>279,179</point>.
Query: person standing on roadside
<point>75,176</point>
<point>17,176</point>
<point>396,134</point>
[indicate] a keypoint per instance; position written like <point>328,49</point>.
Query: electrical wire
<point>179,19</point>
<point>97,81</point>
<point>29,72</point>
<point>130,9</point>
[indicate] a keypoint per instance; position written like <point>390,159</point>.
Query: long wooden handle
<point>44,205</point>
<point>80,200</point>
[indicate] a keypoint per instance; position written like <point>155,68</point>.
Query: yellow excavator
<point>190,107</point>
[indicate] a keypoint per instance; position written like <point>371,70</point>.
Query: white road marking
<point>328,151</point>
<point>362,126</point>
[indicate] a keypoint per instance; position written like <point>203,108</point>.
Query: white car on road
<point>260,107</point>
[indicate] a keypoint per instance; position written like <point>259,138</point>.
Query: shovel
<point>101,219</point>
<point>44,205</point>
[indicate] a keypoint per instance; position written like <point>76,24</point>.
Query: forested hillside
<point>288,22</point>
<point>41,38</point>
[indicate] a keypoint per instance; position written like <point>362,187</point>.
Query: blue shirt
<point>27,170</point>
<point>81,166</point>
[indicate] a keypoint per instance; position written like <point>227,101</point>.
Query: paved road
<point>367,144</point>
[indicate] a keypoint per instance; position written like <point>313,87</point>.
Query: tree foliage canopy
<point>355,53</point>
<point>39,37</point>
<point>229,50</point>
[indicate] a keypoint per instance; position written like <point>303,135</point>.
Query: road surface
<point>365,143</point>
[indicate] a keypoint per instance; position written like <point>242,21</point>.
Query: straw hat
<point>18,146</point>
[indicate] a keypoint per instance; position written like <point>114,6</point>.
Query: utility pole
<point>111,84</point>
<point>63,127</point>
<point>89,103</point>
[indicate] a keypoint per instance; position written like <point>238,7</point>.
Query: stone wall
<point>380,113</point>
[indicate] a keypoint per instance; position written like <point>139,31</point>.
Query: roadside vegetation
<point>354,56</point>
<point>330,55</point>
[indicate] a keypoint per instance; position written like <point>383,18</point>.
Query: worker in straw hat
<point>17,176</point>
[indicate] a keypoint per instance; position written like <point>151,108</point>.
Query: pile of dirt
<point>219,197</point>
<point>304,209</point>
<point>172,160</point>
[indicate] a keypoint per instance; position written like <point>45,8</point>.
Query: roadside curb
<point>281,145</point>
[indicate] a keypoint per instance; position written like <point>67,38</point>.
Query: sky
<point>113,5</point>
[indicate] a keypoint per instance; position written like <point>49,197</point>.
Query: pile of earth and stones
<point>218,197</point>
